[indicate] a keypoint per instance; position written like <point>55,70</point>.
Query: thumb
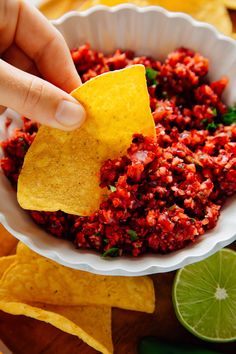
<point>38,99</point>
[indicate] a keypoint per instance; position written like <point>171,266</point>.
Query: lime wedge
<point>204,297</point>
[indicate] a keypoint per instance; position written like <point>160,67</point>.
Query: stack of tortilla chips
<point>74,301</point>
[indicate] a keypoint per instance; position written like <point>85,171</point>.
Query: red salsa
<point>166,191</point>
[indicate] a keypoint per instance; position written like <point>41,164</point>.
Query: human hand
<point>29,47</point>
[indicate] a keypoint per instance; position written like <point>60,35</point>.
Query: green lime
<point>204,297</point>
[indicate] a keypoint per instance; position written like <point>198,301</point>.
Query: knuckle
<point>49,44</point>
<point>38,55</point>
<point>33,95</point>
<point>55,41</point>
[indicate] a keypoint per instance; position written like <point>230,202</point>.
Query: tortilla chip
<point>215,13</point>
<point>37,279</point>
<point>92,324</point>
<point>7,242</point>
<point>61,169</point>
<point>94,320</point>
<point>23,252</point>
<point>5,263</point>
<point>55,8</point>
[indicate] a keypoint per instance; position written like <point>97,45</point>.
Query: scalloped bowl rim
<point>111,266</point>
<point>142,9</point>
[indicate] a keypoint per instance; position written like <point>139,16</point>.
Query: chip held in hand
<point>61,169</point>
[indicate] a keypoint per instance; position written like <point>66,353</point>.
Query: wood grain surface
<point>27,336</point>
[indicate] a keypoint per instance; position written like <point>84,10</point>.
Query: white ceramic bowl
<point>148,31</point>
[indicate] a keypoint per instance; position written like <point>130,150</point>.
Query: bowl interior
<point>151,31</point>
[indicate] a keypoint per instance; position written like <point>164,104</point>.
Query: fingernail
<point>70,114</point>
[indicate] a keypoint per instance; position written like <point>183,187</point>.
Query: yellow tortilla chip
<point>5,263</point>
<point>23,252</point>
<point>37,279</point>
<point>7,242</point>
<point>92,324</point>
<point>55,8</point>
<point>61,169</point>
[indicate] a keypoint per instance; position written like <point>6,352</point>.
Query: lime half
<point>204,297</point>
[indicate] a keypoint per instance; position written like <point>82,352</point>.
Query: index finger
<point>37,37</point>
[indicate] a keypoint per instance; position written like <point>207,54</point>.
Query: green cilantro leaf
<point>25,147</point>
<point>133,235</point>
<point>204,121</point>
<point>214,111</point>
<point>229,117</point>
<point>112,252</point>
<point>151,75</point>
<point>112,188</point>
<point>212,126</point>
